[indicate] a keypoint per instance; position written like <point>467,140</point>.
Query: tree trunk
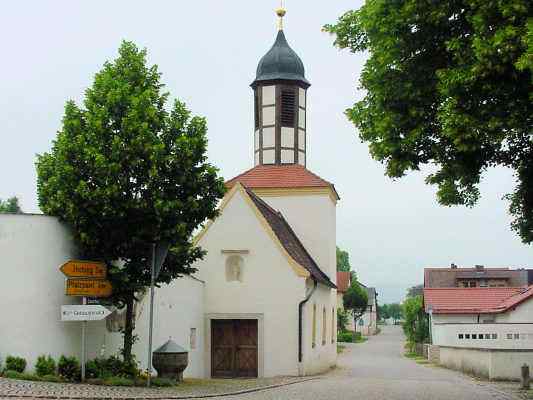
<point>128,329</point>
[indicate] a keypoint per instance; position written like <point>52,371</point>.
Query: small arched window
<point>314,326</point>
<point>324,322</point>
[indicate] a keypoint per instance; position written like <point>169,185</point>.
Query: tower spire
<point>280,12</point>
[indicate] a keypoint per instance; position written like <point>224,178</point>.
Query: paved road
<point>377,370</point>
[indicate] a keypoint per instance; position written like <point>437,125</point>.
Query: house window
<point>333,325</point>
<point>516,336</point>
<point>461,336</point>
<point>474,336</point>
<point>324,326</point>
<point>509,336</point>
<point>467,336</point>
<point>193,338</point>
<point>314,326</point>
<point>495,336</point>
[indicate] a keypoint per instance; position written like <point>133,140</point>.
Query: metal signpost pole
<point>83,344</point>
<point>152,283</point>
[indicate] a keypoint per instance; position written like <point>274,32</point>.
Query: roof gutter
<point>300,319</point>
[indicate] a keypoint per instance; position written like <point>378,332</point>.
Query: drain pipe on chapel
<point>300,321</point>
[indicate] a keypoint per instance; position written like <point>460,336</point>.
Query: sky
<point>208,51</point>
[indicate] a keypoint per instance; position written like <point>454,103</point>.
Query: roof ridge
<point>478,288</point>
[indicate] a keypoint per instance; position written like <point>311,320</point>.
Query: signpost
<point>88,287</point>
<point>85,278</point>
<point>84,312</point>
<point>84,269</point>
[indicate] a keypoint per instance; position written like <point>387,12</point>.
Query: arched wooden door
<point>234,348</point>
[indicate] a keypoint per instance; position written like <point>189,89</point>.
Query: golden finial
<point>280,12</point>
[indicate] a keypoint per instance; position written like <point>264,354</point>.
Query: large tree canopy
<point>448,83</point>
<point>355,300</point>
<point>343,260</point>
<point>125,172</point>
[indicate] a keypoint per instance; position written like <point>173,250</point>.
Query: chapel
<point>270,269</point>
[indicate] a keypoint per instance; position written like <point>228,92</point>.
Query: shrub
<point>45,366</point>
<point>118,381</point>
<point>102,368</point>
<point>345,337</point>
<point>50,378</point>
<point>17,364</point>
<point>68,368</point>
<point>357,336</point>
<point>20,375</point>
<point>162,382</point>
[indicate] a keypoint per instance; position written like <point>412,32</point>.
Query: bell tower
<point>280,105</point>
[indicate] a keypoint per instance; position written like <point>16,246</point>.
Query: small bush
<point>17,364</point>
<point>346,337</point>
<point>103,368</point>
<point>45,366</point>
<point>118,381</point>
<point>50,378</point>
<point>68,368</point>
<point>357,336</point>
<point>20,375</point>
<point>162,382</point>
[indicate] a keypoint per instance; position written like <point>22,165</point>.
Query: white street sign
<point>83,313</point>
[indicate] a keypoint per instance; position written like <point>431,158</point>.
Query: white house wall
<point>33,247</point>
<point>178,308</point>
<point>32,288</point>
<point>313,219</point>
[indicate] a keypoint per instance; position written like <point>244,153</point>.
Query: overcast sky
<point>208,51</point>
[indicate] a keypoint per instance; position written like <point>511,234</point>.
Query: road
<point>377,370</point>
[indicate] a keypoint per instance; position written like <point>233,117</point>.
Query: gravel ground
<point>377,370</point>
<point>10,388</point>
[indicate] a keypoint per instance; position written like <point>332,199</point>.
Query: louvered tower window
<point>288,106</point>
<point>256,110</point>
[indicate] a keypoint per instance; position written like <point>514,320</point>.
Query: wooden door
<point>234,348</point>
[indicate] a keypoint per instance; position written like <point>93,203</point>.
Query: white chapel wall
<point>313,219</point>
<point>268,288</point>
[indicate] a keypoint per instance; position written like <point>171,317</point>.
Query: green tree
<point>343,260</point>
<point>342,320</point>
<point>10,206</point>
<point>355,301</point>
<point>383,312</point>
<point>395,311</point>
<point>125,171</point>
<point>415,326</point>
<point>449,84</point>
<point>417,290</point>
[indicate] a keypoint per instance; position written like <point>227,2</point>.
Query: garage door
<point>234,348</point>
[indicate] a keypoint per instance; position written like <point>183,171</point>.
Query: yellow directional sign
<point>84,269</point>
<point>89,287</point>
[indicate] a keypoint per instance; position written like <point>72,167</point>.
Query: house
<point>343,283</point>
<point>479,276</point>
<point>263,302</point>
<point>486,331</point>
<point>367,323</point>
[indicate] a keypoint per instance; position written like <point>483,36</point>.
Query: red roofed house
<point>487,331</point>
<point>270,297</point>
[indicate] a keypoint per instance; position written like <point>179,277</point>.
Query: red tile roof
<point>279,177</point>
<point>474,300</point>
<point>343,281</point>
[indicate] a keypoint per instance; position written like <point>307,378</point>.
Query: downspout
<point>300,320</point>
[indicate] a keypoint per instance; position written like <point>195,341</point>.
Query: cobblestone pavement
<point>377,370</point>
<point>193,388</point>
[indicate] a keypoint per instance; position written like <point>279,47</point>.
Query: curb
<point>162,397</point>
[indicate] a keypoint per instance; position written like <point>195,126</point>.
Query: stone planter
<point>170,360</point>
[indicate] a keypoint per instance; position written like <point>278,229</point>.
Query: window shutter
<point>288,105</point>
